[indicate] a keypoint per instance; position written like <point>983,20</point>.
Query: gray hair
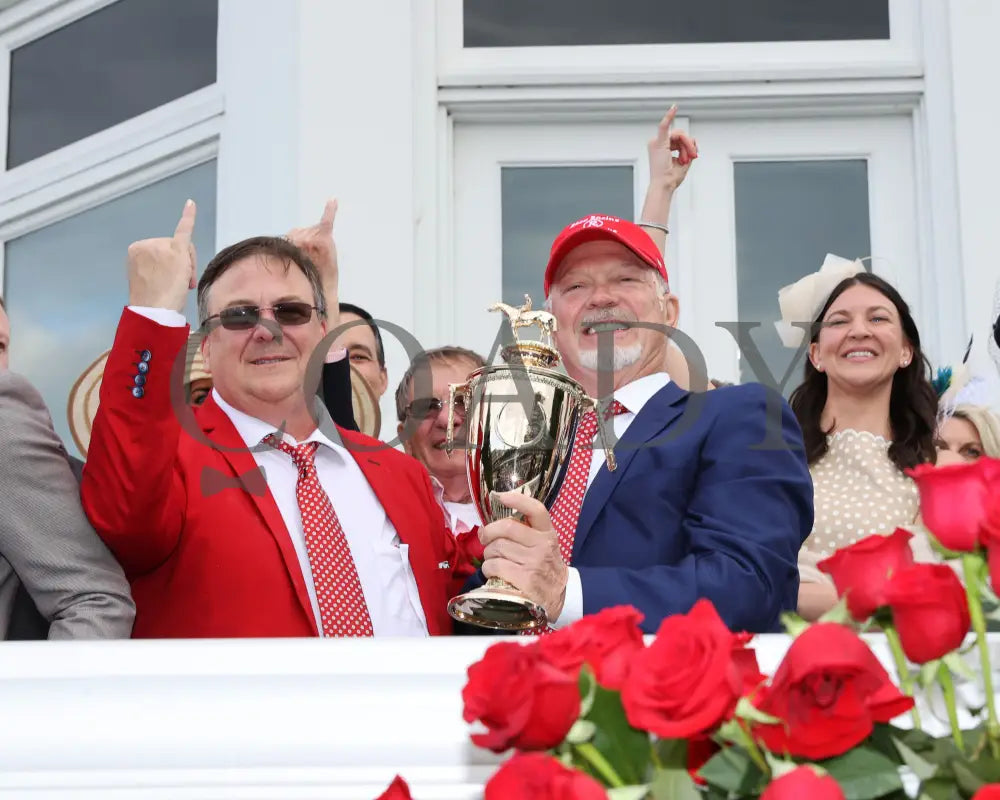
<point>447,354</point>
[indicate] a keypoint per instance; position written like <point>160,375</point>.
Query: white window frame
<point>899,56</point>
<point>108,164</point>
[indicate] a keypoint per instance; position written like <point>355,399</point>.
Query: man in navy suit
<point>707,500</point>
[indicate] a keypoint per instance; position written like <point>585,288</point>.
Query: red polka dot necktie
<point>342,607</point>
<point>565,511</point>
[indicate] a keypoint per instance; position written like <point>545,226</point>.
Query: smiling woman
<point>867,412</point>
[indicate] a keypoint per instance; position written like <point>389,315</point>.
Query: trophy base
<point>497,608</point>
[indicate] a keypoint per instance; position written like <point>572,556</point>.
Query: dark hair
<point>275,246</point>
<point>350,308</point>
<point>912,403</point>
<point>1,303</point>
<point>425,359</point>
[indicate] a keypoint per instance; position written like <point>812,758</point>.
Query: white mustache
<point>608,315</point>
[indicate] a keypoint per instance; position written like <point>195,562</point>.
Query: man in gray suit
<point>46,542</point>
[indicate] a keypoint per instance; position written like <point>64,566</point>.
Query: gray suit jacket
<point>45,539</point>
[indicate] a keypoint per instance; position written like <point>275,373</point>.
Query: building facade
<point>460,135</point>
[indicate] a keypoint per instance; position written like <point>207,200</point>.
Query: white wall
<point>975,31</point>
<point>355,142</point>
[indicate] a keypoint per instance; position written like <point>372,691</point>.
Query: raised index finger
<point>185,227</point>
<point>329,213</point>
<point>663,129</point>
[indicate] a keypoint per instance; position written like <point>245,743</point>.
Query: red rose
<point>803,782</point>
<point>745,659</point>
<point>540,777</point>
<point>523,701</point>
<point>606,641</point>
<point>929,610</point>
<point>699,750</point>
<point>398,790</point>
<point>829,691</point>
<point>860,570</point>
<point>470,552</point>
<point>953,500</point>
<point>686,681</point>
<point>989,537</point>
<point>989,792</point>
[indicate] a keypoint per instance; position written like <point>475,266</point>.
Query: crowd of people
<point>227,490</point>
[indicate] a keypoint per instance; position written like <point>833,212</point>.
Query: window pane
<point>105,68</point>
<point>533,23</point>
<point>538,202</point>
<point>789,215</point>
<point>66,287</point>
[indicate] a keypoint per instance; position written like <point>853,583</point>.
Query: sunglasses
<point>244,318</point>
<point>424,407</point>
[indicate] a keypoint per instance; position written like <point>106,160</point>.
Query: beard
<point>624,356</point>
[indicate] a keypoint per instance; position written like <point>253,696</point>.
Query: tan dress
<point>858,491</point>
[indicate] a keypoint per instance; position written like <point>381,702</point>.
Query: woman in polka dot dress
<point>867,411</point>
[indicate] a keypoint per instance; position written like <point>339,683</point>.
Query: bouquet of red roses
<point>593,712</point>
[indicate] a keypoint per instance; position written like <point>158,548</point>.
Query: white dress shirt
<point>380,558</point>
<point>633,396</point>
<point>460,517</point>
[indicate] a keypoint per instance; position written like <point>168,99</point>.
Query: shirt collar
<point>636,394</point>
<point>253,431</point>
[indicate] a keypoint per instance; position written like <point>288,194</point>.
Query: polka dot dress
<point>858,491</point>
<point>342,607</point>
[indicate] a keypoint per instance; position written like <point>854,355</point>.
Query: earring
<point>819,367</point>
<point>905,363</point>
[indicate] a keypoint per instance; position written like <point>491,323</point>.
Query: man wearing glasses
<point>244,518</point>
<point>423,427</point>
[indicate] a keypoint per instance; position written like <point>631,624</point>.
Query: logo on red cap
<point>596,227</point>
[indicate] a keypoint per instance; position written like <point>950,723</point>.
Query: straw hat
<point>366,410</point>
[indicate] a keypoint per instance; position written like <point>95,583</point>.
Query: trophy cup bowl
<point>520,423</point>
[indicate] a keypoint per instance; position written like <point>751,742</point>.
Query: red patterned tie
<point>342,607</point>
<point>565,511</point>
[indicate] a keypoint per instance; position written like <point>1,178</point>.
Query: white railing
<point>233,719</point>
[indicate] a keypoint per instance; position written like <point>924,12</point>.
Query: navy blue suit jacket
<point>711,498</point>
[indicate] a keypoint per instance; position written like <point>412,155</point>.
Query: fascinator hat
<point>803,300</point>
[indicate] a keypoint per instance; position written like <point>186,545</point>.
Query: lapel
<point>401,511</point>
<point>652,420</point>
<point>221,431</point>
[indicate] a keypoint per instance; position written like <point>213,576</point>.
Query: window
<point>107,67</point>
<point>789,215</point>
<point>65,287</point>
<point>538,202</point>
<point>530,23</point>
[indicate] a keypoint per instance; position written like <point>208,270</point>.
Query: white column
<point>975,29</point>
<point>356,142</point>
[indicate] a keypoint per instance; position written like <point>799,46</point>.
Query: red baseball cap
<point>602,226</point>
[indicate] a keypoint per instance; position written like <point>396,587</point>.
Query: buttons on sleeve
<point>142,370</point>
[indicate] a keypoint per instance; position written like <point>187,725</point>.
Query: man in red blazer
<point>242,517</point>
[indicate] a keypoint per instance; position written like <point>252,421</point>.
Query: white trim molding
<point>898,56</point>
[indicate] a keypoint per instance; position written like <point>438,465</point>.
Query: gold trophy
<point>521,419</point>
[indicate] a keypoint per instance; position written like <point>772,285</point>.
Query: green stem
<point>753,750</point>
<point>654,756</point>
<point>905,679</point>
<point>970,567</point>
<point>593,757</point>
<point>944,678</point>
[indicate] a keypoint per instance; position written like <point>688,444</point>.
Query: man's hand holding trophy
<point>522,417</point>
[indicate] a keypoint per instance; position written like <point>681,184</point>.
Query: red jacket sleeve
<point>130,490</point>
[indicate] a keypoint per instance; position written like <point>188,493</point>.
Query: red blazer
<point>194,526</point>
